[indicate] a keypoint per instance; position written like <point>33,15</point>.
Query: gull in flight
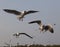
<point>43,27</point>
<point>18,34</point>
<point>20,15</point>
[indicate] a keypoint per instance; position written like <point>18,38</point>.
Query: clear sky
<point>49,14</point>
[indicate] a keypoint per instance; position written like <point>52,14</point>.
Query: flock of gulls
<point>22,14</point>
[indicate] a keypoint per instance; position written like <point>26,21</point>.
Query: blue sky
<point>49,14</point>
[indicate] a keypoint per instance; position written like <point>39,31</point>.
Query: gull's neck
<point>17,33</point>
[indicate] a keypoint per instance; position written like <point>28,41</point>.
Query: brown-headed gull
<point>18,34</point>
<point>43,27</point>
<point>20,15</point>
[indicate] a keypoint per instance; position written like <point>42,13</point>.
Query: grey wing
<point>31,11</point>
<point>27,35</point>
<point>12,11</point>
<point>37,21</point>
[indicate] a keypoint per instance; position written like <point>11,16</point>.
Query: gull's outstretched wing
<point>37,21</point>
<point>30,11</point>
<point>26,35</point>
<point>12,11</point>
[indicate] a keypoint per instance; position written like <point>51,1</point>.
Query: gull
<point>18,34</point>
<point>20,15</point>
<point>42,27</point>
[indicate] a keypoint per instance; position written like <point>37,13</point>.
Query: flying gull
<point>43,27</point>
<point>20,15</point>
<point>18,34</point>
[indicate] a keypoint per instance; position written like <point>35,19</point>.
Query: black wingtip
<point>31,37</point>
<point>5,9</point>
<point>29,23</point>
<point>36,11</point>
<point>33,11</point>
<point>52,31</point>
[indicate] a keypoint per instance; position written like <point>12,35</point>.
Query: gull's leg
<point>21,18</point>
<point>43,31</point>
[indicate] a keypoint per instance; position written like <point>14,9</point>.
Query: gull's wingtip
<point>33,11</point>
<point>5,9</point>
<point>37,11</point>
<point>29,22</point>
<point>31,37</point>
<point>52,31</point>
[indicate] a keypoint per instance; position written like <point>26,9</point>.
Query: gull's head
<point>23,11</point>
<point>17,33</point>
